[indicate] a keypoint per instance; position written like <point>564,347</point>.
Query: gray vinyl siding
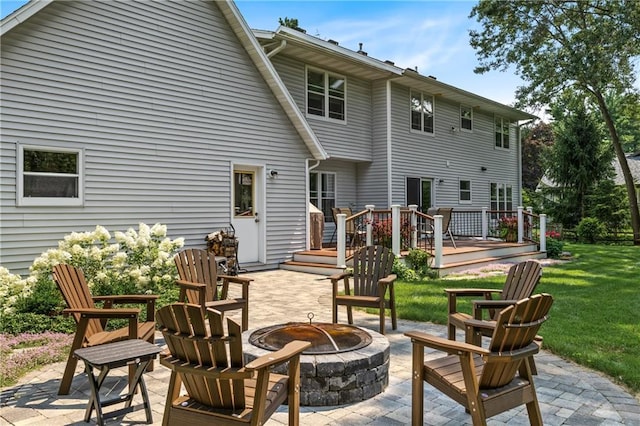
<point>415,154</point>
<point>347,140</point>
<point>162,98</point>
<point>372,177</point>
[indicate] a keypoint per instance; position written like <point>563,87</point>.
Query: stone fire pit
<point>330,373</point>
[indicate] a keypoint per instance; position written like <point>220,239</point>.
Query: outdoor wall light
<point>483,168</point>
<point>440,180</point>
<point>272,173</point>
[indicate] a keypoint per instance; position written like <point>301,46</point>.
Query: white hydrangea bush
<point>135,261</point>
<point>12,288</point>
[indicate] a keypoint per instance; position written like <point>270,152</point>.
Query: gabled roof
<point>248,41</point>
<point>329,55</point>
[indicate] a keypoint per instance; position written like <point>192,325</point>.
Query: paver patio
<point>568,394</point>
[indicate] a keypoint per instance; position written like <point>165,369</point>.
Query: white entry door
<point>247,215</point>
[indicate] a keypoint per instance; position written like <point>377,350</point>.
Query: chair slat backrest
<point>198,266</point>
<point>446,213</point>
<point>350,226</point>
<point>75,291</point>
<point>521,280</point>
<point>190,340</point>
<point>516,328</point>
<point>370,264</point>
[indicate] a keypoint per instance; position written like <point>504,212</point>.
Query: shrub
<point>36,323</point>
<point>554,245</point>
<point>590,230</point>
<point>404,272</point>
<point>415,266</point>
<point>12,289</point>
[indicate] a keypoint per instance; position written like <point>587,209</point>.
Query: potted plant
<point>508,227</point>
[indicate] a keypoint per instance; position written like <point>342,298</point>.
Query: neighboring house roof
<point>257,55</point>
<point>634,165</point>
<point>328,54</point>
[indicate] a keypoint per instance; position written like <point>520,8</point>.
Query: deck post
<point>437,241</point>
<point>369,223</point>
<point>341,244</point>
<point>485,223</point>
<point>543,232</point>
<point>395,229</point>
<point>520,225</point>
<point>414,225</point>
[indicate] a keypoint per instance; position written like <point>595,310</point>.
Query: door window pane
<point>243,194</point>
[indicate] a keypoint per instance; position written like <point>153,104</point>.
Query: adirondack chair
<point>446,213</point>
<point>486,381</point>
<point>198,272</point>
<point>220,389</point>
<point>371,277</point>
<point>521,281</point>
<point>91,321</point>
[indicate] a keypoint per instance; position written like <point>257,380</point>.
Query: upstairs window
<point>466,118</point>
<point>49,176</point>
<point>421,112</point>
<point>502,132</point>
<point>325,94</point>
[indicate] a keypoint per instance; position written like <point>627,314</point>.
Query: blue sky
<point>430,34</point>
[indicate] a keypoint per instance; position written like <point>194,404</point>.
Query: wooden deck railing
<point>402,229</point>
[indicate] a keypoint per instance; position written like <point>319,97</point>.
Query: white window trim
<point>462,129</point>
<point>423,95</point>
<point>326,95</point>
<point>501,147</point>
<point>21,200</point>
<point>470,200</point>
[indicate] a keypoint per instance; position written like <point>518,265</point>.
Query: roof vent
<point>389,62</point>
<point>333,42</point>
<point>432,77</point>
<point>360,51</point>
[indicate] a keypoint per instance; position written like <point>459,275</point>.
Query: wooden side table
<point>114,355</point>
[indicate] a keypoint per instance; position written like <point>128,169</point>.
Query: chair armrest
<point>389,279</point>
<point>444,345</point>
<point>127,298</point>
<point>104,313</point>
<point>149,299</point>
<point>235,280</point>
<point>289,351</point>
<point>190,285</point>
<point>491,305</point>
<point>228,279</point>
<point>478,324</point>
<point>339,276</point>
<point>470,291</point>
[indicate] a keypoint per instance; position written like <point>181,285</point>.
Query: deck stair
<point>469,254</point>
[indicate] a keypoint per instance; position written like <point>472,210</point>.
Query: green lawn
<point>595,318</point>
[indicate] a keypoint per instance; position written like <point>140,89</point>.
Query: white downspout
<point>389,150</point>
<point>275,51</point>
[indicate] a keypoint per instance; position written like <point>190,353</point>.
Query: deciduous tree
<point>589,47</point>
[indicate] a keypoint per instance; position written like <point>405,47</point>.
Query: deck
<point>469,253</point>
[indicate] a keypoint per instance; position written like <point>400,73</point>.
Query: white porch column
<point>437,241</point>
<point>485,223</point>
<point>369,223</point>
<point>395,229</point>
<point>341,236</point>
<point>543,232</point>
<point>520,225</point>
<point>414,225</point>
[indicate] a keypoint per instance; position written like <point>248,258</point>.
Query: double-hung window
<point>325,94</point>
<point>466,117</point>
<point>322,192</point>
<point>464,187</point>
<point>49,176</point>
<point>501,196</point>
<point>421,112</point>
<point>502,132</point>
